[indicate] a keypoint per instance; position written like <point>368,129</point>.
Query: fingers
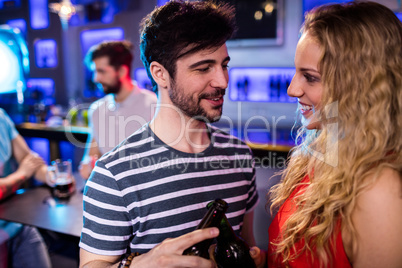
<point>154,259</point>
<point>258,256</point>
<point>187,240</point>
<point>33,159</point>
<point>85,170</point>
<point>211,252</point>
<point>254,252</point>
<point>169,252</point>
<point>30,164</point>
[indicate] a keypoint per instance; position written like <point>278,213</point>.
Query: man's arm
<point>247,232</point>
<point>24,156</point>
<point>20,148</point>
<point>91,154</point>
<point>21,151</point>
<point>28,164</point>
<point>166,254</point>
<point>88,260</point>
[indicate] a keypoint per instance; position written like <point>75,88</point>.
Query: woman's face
<point>306,84</point>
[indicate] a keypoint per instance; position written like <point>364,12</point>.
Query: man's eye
<point>203,69</point>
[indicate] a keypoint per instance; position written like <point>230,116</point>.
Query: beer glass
<point>61,179</point>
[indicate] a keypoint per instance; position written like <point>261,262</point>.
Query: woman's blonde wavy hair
<point>360,68</point>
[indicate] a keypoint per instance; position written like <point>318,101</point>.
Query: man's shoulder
<point>137,143</point>
<point>96,105</point>
<point>147,94</point>
<point>222,135</point>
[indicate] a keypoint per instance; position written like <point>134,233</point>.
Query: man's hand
<point>29,165</point>
<point>169,252</point>
<point>86,166</point>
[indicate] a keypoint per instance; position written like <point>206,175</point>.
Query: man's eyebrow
<point>197,64</point>
<point>226,59</point>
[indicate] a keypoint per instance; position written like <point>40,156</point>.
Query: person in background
<point>123,110</point>
<point>20,245</point>
<point>340,197</point>
<point>156,184</point>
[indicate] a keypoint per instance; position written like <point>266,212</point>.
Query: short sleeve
<point>8,125</point>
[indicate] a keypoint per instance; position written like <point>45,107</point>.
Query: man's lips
<point>215,101</point>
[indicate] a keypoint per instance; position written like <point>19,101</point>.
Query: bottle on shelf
<point>213,217</point>
<point>231,250</point>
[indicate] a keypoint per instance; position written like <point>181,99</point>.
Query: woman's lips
<point>305,108</point>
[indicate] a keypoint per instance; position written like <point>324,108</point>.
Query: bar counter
<point>78,135</point>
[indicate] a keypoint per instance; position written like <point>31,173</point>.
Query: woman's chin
<point>311,123</point>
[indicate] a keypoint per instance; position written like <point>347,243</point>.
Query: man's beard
<point>114,89</point>
<point>192,108</point>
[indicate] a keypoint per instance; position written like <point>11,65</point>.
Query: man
<point>20,245</point>
<point>157,183</point>
<point>123,110</point>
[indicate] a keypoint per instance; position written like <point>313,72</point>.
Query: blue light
<point>162,2</point>
<point>141,76</point>
<point>14,60</point>
<point>399,15</point>
<point>45,85</point>
<point>9,4</point>
<point>19,24</point>
<point>90,38</point>
<point>93,37</point>
<point>45,53</point>
<point>260,84</point>
<point>310,4</point>
<point>39,14</point>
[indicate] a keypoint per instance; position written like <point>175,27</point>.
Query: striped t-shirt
<point>144,191</point>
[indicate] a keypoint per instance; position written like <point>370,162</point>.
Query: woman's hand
<point>259,257</point>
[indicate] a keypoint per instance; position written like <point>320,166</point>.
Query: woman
<point>340,197</point>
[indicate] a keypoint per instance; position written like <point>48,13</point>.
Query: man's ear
<point>123,71</point>
<point>159,74</point>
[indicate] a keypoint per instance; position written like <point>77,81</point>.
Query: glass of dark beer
<point>60,179</point>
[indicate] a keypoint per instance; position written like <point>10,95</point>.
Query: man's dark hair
<point>180,28</point>
<point>118,52</point>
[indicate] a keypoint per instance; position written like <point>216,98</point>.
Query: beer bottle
<point>215,214</point>
<point>231,250</point>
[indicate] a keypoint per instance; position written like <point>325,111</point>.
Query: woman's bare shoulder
<point>378,221</point>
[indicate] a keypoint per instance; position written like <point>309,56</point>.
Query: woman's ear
<point>159,74</point>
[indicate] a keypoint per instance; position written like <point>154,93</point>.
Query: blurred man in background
<point>123,110</point>
<point>20,245</point>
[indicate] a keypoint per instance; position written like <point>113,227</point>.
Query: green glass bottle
<point>213,217</point>
<point>231,251</point>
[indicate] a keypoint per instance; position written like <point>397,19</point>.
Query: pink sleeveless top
<point>339,258</point>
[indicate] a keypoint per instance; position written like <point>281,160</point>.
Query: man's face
<point>200,84</point>
<point>106,75</point>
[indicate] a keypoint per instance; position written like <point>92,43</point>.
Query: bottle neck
<point>214,216</point>
<point>226,232</point>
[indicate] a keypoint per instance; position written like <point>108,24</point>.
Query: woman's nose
<point>295,89</point>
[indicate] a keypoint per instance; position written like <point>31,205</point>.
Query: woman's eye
<point>310,78</point>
